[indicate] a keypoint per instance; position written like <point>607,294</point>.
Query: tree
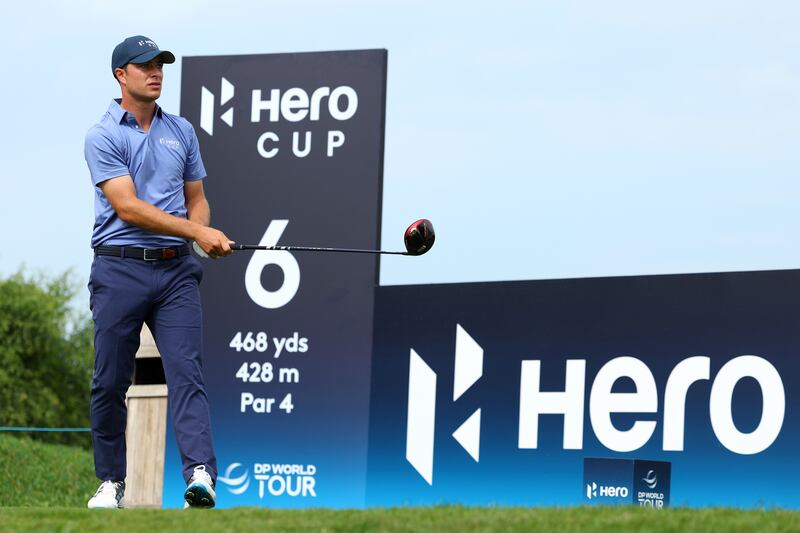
<point>46,355</point>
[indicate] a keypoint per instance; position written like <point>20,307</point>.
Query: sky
<point>551,139</point>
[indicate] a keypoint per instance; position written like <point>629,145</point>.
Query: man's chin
<point>149,96</point>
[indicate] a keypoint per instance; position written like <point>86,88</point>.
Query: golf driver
<point>418,238</point>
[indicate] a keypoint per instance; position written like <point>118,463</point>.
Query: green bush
<point>46,356</point>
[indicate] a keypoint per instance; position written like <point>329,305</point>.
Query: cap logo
<point>148,42</point>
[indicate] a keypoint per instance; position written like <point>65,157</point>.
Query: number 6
<point>262,258</point>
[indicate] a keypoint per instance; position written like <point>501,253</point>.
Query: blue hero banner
<point>293,146</point>
<point>495,393</point>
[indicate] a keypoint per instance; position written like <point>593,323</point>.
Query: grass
<point>44,487</point>
<point>35,473</point>
<point>453,518</point>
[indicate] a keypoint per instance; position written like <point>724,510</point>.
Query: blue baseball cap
<point>137,49</point>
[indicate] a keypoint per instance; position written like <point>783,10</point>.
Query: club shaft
<point>312,249</point>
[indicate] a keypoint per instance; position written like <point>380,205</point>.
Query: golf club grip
<point>311,249</point>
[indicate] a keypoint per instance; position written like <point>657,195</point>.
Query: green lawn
<point>403,519</point>
<point>40,474</point>
<point>44,487</point>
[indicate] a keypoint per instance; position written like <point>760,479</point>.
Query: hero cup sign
<point>292,105</point>
<point>295,106</point>
<point>293,145</point>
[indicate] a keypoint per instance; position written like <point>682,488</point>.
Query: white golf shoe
<point>200,491</point>
<point>110,495</point>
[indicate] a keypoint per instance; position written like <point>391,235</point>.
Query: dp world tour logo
<point>422,404</point>
<point>236,485</point>
<point>207,107</point>
<point>651,480</point>
<point>275,479</point>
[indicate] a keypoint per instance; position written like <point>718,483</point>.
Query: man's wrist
<point>194,229</point>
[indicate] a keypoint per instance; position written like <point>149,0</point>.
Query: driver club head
<point>419,237</point>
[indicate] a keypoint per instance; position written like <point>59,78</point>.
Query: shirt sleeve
<point>104,157</point>
<point>194,169</point>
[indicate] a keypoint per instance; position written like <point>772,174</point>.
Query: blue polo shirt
<point>159,161</point>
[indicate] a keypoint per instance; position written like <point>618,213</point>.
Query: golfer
<point>147,174</point>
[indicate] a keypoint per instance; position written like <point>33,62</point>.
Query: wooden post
<point>145,435</point>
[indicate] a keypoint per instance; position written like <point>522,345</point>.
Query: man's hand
<point>213,242</point>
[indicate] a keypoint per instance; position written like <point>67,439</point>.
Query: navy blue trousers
<point>124,293</point>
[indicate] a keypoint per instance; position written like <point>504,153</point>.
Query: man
<point>148,175</point>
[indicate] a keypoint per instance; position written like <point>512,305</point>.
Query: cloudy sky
<point>553,139</point>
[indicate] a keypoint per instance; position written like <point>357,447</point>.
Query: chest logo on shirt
<point>170,143</point>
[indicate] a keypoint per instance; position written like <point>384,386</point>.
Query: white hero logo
<point>275,479</point>
<point>292,105</point>
<point>422,404</point>
<point>207,106</point>
<point>602,404</point>
<point>605,491</point>
<point>170,143</point>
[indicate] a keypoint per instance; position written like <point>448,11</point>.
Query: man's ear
<point>119,73</point>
